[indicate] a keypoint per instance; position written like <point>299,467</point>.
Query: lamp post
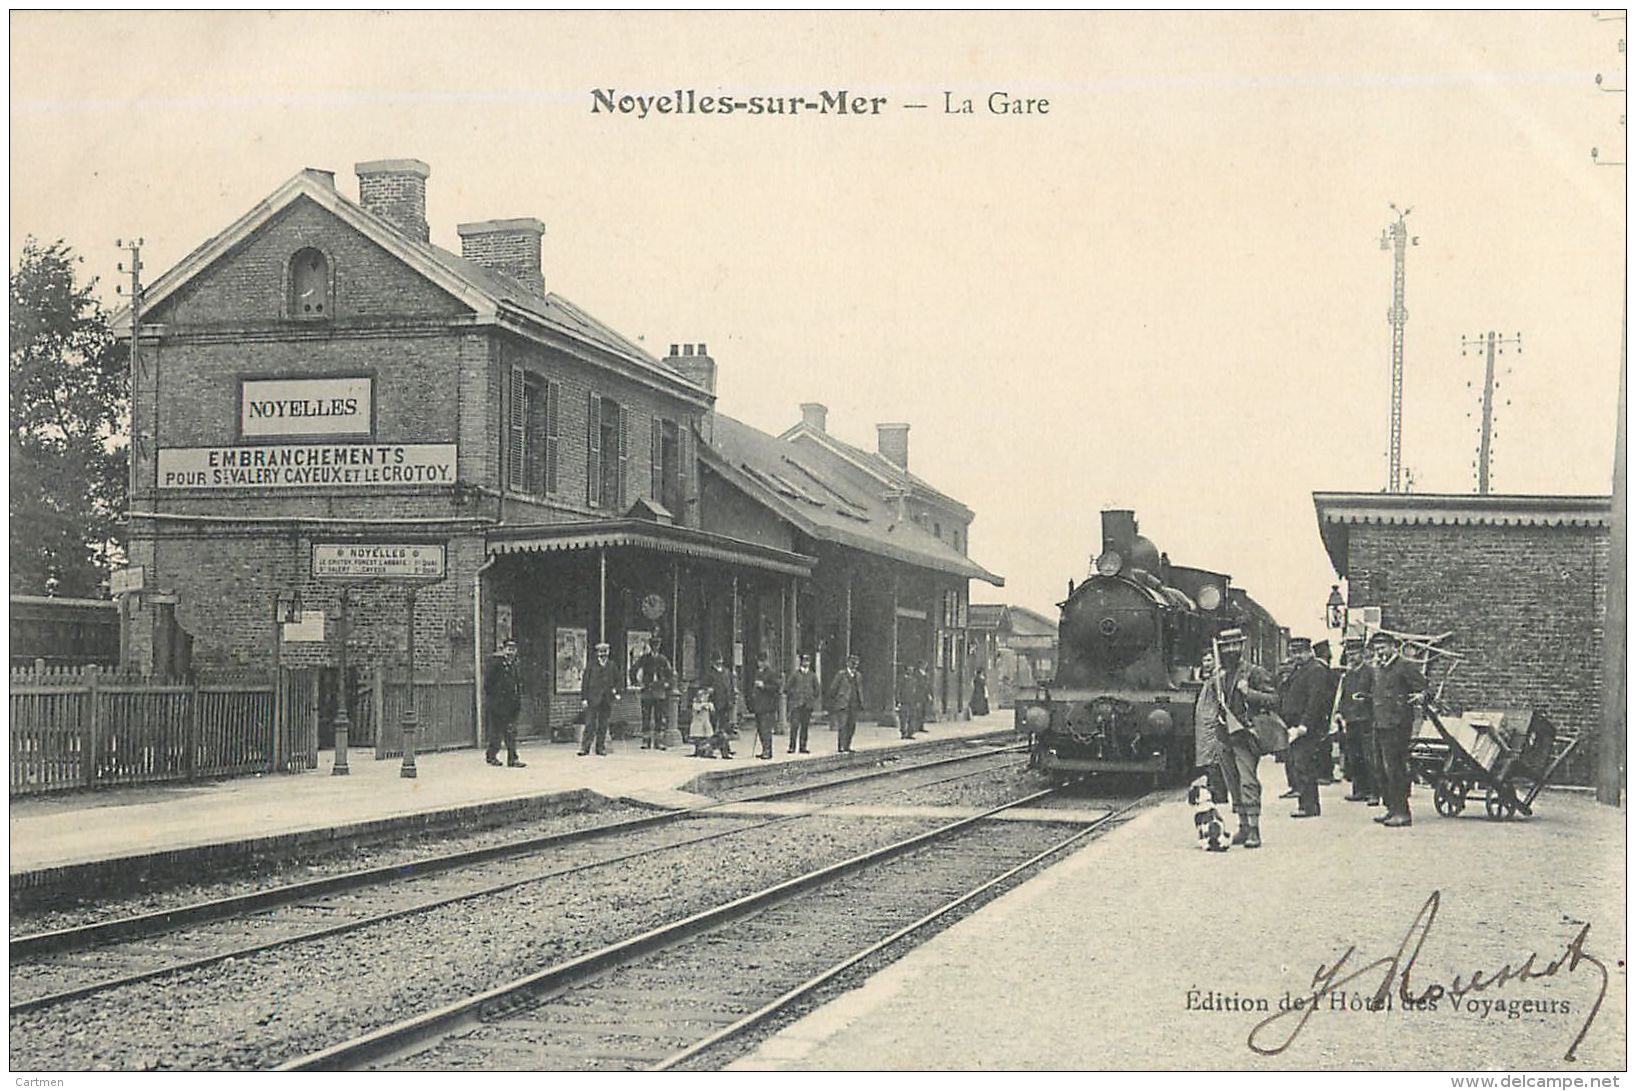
<point>343,724</point>
<point>411,719</point>
<point>1335,609</point>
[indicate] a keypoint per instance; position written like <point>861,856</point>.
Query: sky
<point>1166,292</point>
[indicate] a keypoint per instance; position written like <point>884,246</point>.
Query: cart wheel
<point>1457,793</point>
<point>1443,799</point>
<point>1498,806</point>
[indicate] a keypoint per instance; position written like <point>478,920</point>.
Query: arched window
<point>309,285</point>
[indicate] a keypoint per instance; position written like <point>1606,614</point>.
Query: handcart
<point>1506,753</point>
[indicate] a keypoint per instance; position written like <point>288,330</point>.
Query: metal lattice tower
<point>1396,238</point>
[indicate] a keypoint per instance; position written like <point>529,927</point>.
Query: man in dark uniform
<point>1244,689</point>
<point>654,675</point>
<point>845,701</point>
<point>908,701</point>
<point>1306,706</point>
<point>1326,760</point>
<point>1282,675</point>
<point>764,702</point>
<point>502,700</point>
<point>722,694</point>
<point>1358,724</point>
<point>598,692</point>
<point>801,693</point>
<point>1399,688</point>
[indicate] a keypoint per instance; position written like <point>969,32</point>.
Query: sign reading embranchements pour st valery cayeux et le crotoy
<point>323,409</point>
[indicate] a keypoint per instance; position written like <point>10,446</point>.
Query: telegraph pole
<point>126,608</point>
<point>1495,343</point>
<point>1397,239</point>
<point>1610,766</point>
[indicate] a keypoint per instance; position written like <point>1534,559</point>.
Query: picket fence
<point>87,728</point>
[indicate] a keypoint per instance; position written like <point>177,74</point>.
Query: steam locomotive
<point>1129,642</point>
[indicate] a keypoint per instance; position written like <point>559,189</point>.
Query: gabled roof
<point>797,484</point>
<point>876,465</point>
<point>1339,511</point>
<point>491,295</point>
<point>1025,622</point>
<point>986,615</point>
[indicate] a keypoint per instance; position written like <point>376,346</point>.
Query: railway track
<point>676,994</point>
<point>53,967</point>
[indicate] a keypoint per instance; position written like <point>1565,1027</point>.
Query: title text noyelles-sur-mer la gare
<point>687,101</point>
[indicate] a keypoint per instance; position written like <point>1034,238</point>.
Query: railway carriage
<point>1130,638</point>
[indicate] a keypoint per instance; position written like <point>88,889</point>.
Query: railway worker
<point>1242,690</point>
<point>1399,687</point>
<point>1209,740</point>
<point>844,701</point>
<point>801,694</point>
<point>654,675</point>
<point>1357,709</point>
<point>502,700</point>
<point>1307,701</point>
<point>598,692</point>
<point>1326,765</point>
<point>912,700</point>
<point>722,692</point>
<point>764,702</point>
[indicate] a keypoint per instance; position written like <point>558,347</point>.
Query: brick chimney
<point>814,415</point>
<point>511,247</point>
<point>694,363</point>
<point>892,441</point>
<point>395,190</point>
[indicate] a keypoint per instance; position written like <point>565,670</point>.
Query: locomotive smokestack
<point>1119,532</point>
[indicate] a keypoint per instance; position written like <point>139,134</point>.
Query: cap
<point>851,659</point>
<point>1230,636</point>
<point>1320,647</point>
<point>1299,643</point>
<point>602,647</point>
<point>1385,638</point>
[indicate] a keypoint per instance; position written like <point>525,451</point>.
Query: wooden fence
<point>445,707</point>
<point>86,728</point>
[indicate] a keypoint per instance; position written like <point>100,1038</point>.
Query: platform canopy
<point>643,534</point>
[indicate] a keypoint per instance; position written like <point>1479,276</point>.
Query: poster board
<point>572,652</point>
<point>636,645</point>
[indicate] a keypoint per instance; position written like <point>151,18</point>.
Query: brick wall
<point>1525,604</point>
<point>252,284</point>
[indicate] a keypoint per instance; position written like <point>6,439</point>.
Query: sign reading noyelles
<point>281,408</point>
<point>377,560</point>
<point>307,465</point>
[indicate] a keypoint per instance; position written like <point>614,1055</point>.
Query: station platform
<point>1142,952</point>
<point>82,840</point>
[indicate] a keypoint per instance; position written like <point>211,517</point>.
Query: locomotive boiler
<point>1129,642</point>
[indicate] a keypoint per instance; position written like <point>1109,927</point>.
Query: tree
<point>70,394</point>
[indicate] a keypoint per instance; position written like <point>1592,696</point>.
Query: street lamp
<point>1335,609</point>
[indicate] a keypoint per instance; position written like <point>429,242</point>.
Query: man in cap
<point>1399,688</point>
<point>764,701</point>
<point>722,692</point>
<point>502,700</point>
<point>1357,709</point>
<point>599,691</point>
<point>1243,689</point>
<point>1326,760</point>
<point>801,691</point>
<point>1307,702</point>
<point>654,675</point>
<point>844,701</point>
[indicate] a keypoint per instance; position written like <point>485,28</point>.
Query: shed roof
<point>1339,511</point>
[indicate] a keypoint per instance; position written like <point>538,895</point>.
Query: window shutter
<point>553,430</point>
<point>656,464</point>
<point>518,430</point>
<point>593,460</point>
<point>621,499</point>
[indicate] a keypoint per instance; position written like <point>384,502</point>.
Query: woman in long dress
<point>979,693</point>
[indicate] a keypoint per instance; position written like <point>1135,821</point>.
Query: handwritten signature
<point>1397,968</point>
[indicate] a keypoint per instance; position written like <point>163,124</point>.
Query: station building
<point>1016,647</point>
<point>1518,581</point>
<point>337,420</point>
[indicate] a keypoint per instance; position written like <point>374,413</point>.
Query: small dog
<point>1212,832</point>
